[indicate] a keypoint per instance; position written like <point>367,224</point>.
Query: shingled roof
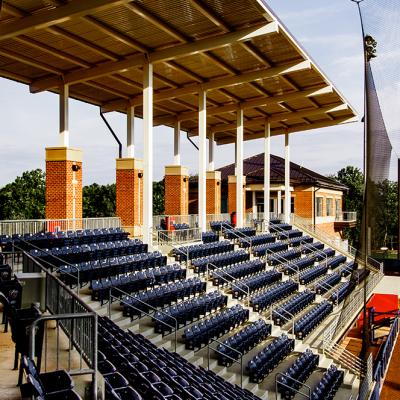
<point>253,169</point>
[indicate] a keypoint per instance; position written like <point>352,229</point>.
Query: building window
<point>319,201</point>
<point>292,205</point>
<point>271,205</point>
<point>329,207</point>
<point>337,206</point>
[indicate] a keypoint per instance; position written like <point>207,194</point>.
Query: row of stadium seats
<point>292,307</point>
<point>254,283</point>
<point>108,267</point>
<point>273,294</point>
<point>298,265</point>
<point>283,256</point>
<point>188,311</point>
<point>307,323</point>
<point>239,232</point>
<point>242,342</point>
<point>278,227</point>
<point>289,234</point>
<point>202,250</point>
<point>262,250</point>
<point>217,226</point>
<point>155,373</point>
<point>268,358</point>
<point>140,280</point>
<point>313,273</point>
<point>297,241</point>
<point>201,334</point>
<point>88,252</point>
<point>256,240</point>
<point>326,283</point>
<point>328,385</point>
<point>335,261</point>
<point>236,271</point>
<point>46,240</point>
<point>297,374</point>
<point>164,295</point>
<point>219,260</point>
<point>308,248</point>
<point>341,292</point>
<point>209,237</point>
<point>348,268</point>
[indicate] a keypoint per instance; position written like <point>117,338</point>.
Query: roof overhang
<point>235,50</point>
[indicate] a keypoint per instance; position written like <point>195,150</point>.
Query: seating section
<point>326,283</point>
<point>264,249</point>
<point>268,358</point>
<point>348,268</point>
<point>109,267</point>
<point>283,257</point>
<point>257,240</point>
<point>298,265</point>
<point>278,227</point>
<point>273,294</point>
<point>179,227</point>
<point>49,240</point>
<point>242,342</point>
<point>297,373</point>
<point>288,234</point>
<point>324,254</point>
<point>237,271</point>
<point>334,262</point>
<point>341,292</point>
<point>219,261</point>
<point>283,313</point>
<point>201,334</point>
<point>328,385</point>
<point>313,273</point>
<point>297,241</point>
<point>217,226</point>
<point>155,373</point>
<point>87,252</point>
<point>307,323</point>
<point>187,311</point>
<point>254,283</point>
<point>137,281</point>
<point>308,248</point>
<point>239,232</point>
<point>141,302</point>
<point>202,250</point>
<point>209,237</point>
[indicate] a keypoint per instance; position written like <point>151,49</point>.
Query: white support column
<point>130,132</point>
<point>239,169</point>
<point>177,143</point>
<point>202,159</point>
<point>267,174</point>
<point>148,153</point>
<point>287,178</point>
<point>279,205</point>
<point>64,116</point>
<point>211,152</point>
<point>254,203</point>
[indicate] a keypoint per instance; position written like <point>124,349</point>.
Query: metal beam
<point>156,56</point>
<point>202,160</point>
<point>287,116</point>
<point>287,179</point>
<point>130,132</point>
<point>239,170</point>
<point>58,15</point>
<point>267,171</point>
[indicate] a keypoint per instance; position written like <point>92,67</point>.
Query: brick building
<point>315,197</point>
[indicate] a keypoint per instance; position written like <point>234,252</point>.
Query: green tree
<point>99,200</point>
<point>24,198</point>
<point>158,197</point>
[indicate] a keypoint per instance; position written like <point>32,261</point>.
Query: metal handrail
<point>57,317</point>
<point>349,357</point>
<point>288,263</point>
<point>286,318</point>
<point>179,249</point>
<point>327,286</point>
<point>231,358</point>
<point>240,235</point>
<point>291,388</point>
<point>230,282</point>
<point>316,250</point>
<point>143,312</point>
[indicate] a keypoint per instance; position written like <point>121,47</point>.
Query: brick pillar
<point>176,198</point>
<point>213,196</point>
<point>129,194</point>
<point>232,194</point>
<point>63,184</point>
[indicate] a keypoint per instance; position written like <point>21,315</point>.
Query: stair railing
<point>277,383</point>
<point>290,320</point>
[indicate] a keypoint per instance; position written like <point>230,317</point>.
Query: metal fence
<point>180,236</point>
<point>11,227</point>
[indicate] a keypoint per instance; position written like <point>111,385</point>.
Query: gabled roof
<point>253,169</point>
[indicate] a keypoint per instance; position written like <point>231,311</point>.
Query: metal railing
<point>287,313</point>
<point>240,361</point>
<point>346,216</point>
<point>76,319</point>
<point>302,384</point>
<point>174,328</point>
<point>11,227</point>
<point>178,236</point>
<point>239,235</point>
<point>366,383</point>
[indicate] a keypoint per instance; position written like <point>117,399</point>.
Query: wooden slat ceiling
<point>237,50</point>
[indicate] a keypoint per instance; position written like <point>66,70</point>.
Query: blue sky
<point>330,33</point>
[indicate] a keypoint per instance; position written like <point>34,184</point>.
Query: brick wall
<point>129,194</point>
<point>63,185</point>
<point>303,202</point>
<point>232,194</point>
<point>176,198</point>
<point>213,192</point>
